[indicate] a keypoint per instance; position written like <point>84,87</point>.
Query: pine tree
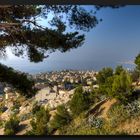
<point>40,123</point>
<point>61,118</point>
<point>79,102</point>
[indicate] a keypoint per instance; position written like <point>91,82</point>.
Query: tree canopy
<point>19,26</point>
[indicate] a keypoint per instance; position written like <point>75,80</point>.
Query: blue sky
<point>116,40</point>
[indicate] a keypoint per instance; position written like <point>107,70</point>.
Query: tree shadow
<point>22,127</point>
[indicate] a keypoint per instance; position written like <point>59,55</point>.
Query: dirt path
<point>101,108</point>
<point>104,108</point>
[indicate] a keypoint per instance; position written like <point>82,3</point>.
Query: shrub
<point>35,108</point>
<point>95,122</point>
<point>40,122</point>
<point>117,114</point>
<point>122,86</point>
<point>9,132</point>
<point>11,126</point>
<point>61,118</point>
<point>104,74</point>
<point>79,102</point>
<point>133,108</point>
<point>118,70</point>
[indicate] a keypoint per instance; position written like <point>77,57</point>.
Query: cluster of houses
<point>54,88</point>
<point>62,89</point>
<point>71,76</point>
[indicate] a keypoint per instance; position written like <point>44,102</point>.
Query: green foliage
<point>94,96</point>
<point>121,86</point>
<point>9,132</point>
<point>21,28</point>
<point>79,102</point>
<point>19,81</point>
<point>95,122</point>
<point>137,61</point>
<point>11,126</point>
<point>61,118</point>
<point>118,85</point>
<point>2,107</point>
<point>117,114</point>
<point>40,123</point>
<point>100,127</point>
<point>118,70</point>
<point>106,88</point>
<point>103,75</point>
<point>35,108</point>
<point>16,105</point>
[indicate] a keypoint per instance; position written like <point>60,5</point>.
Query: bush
<point>104,74</point>
<point>35,108</point>
<point>79,102</point>
<point>61,118</point>
<point>117,114</point>
<point>16,105</point>
<point>19,81</point>
<point>121,86</point>
<point>40,122</point>
<point>118,70</point>
<point>9,132</point>
<point>133,108</point>
<point>11,126</point>
<point>95,122</point>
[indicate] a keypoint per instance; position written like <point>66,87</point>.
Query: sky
<point>114,41</point>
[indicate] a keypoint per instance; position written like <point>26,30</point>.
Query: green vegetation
<point>40,123</point>
<point>122,86</point>
<point>18,80</point>
<point>16,105</point>
<point>104,74</point>
<point>35,108</point>
<point>118,70</point>
<point>79,102</point>
<point>19,27</point>
<point>117,85</point>
<point>117,114</point>
<point>61,118</point>
<point>11,126</point>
